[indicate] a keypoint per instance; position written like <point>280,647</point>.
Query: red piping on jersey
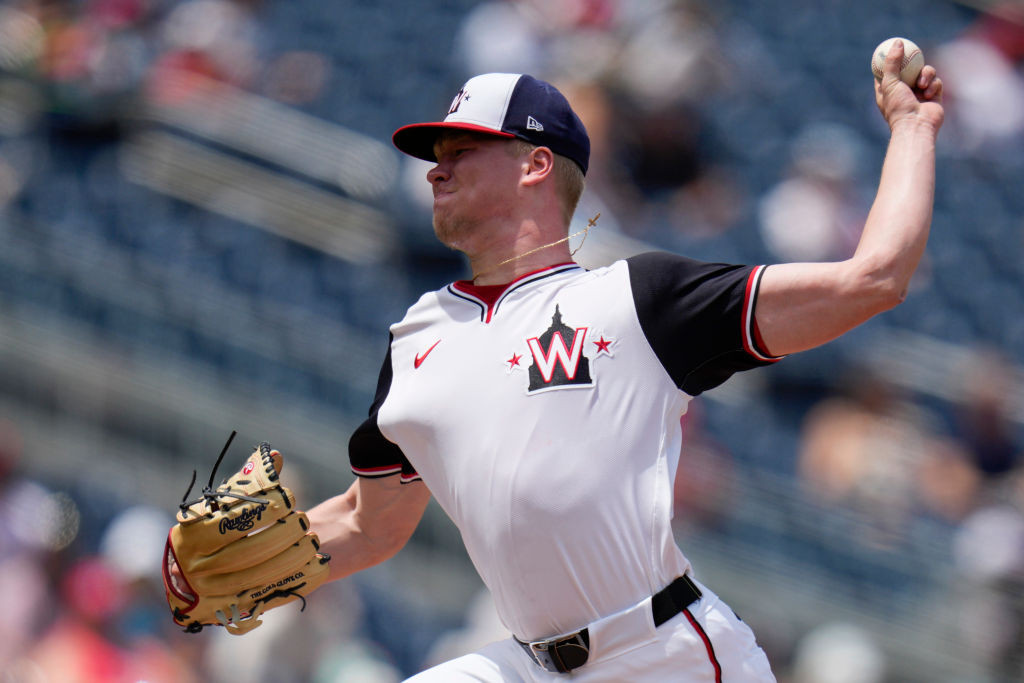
<point>707,645</point>
<point>489,295</point>
<point>752,342</point>
<point>757,333</point>
<point>386,471</point>
<point>377,471</point>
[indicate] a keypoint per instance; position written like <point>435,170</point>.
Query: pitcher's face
<point>475,182</point>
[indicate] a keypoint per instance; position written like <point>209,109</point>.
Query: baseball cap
<point>509,106</point>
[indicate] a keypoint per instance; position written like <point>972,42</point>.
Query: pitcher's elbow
<point>891,295</point>
<point>879,292</point>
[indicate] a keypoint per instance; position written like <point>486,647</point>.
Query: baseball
<point>913,60</point>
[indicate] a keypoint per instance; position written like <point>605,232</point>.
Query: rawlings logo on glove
<point>240,549</point>
<point>244,521</point>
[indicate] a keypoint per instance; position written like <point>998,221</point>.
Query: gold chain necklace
<point>585,231</point>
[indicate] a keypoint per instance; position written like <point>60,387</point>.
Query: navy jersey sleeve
<point>698,317</point>
<point>369,451</point>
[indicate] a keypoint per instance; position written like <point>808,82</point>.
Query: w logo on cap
<point>509,106</point>
<point>462,95</point>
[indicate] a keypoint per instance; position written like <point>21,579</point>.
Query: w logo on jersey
<point>558,359</point>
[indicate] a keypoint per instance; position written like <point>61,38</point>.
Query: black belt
<point>562,655</point>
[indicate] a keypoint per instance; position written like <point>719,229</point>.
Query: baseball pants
<point>706,643</point>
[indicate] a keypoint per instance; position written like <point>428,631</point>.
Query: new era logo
<point>533,124</point>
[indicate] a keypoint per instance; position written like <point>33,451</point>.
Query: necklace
<point>585,231</point>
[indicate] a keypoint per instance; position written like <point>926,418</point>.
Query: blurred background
<point>204,227</point>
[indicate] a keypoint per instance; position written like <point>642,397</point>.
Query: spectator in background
<point>501,36</point>
<point>839,653</point>
<point>987,88</point>
<point>94,59</point>
<point>989,556</point>
<point>819,192</point>
<point>640,72</point>
<point>83,645</point>
<point>297,78</point>
<point>988,547</point>
<point>667,65</point>
<point>75,617</point>
<point>983,422</point>
<point>210,39</point>
<point>22,580</point>
<point>75,647</point>
<point>873,451</point>
<point>131,550</point>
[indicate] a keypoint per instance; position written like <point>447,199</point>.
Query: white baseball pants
<point>706,643</point>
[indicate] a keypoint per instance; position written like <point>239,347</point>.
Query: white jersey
<point>544,417</point>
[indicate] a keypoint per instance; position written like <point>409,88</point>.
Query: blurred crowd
<point>656,84</point>
<point>639,75</point>
<point>874,450</point>
<point>876,471</point>
<point>80,572</point>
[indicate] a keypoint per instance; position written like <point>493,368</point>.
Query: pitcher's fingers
<point>934,90</point>
<point>926,76</point>
<point>894,59</point>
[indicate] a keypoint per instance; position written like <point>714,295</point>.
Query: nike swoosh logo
<point>419,359</point>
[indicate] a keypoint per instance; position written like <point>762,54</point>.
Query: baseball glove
<point>240,549</point>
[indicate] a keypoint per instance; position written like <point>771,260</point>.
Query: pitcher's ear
<point>540,163</point>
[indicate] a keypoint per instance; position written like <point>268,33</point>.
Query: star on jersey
<point>513,363</point>
<point>603,347</point>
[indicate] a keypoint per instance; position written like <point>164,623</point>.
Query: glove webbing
<point>211,495</point>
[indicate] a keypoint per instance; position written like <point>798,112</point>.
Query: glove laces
<point>214,496</point>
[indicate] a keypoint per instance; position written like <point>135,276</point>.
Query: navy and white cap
<point>510,106</point>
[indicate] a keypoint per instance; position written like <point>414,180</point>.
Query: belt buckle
<point>539,649</point>
<point>549,657</point>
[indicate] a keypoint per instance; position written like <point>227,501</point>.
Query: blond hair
<point>569,180</point>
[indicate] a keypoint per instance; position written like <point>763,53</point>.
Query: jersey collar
<point>490,297</point>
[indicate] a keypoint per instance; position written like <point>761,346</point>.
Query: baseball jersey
<point>544,417</point>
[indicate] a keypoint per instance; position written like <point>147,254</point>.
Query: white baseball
<point>913,60</point>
